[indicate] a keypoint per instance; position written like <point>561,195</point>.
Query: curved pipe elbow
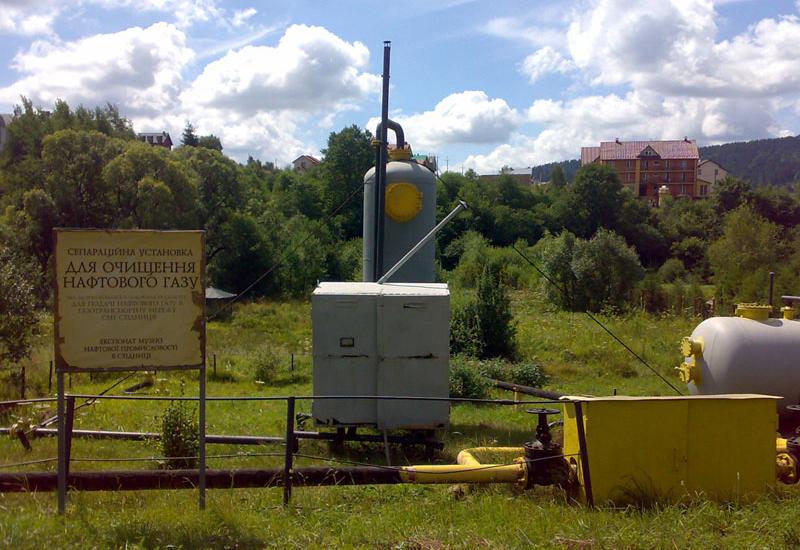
<point>400,137</point>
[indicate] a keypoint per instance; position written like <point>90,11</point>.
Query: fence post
<point>62,465</point>
<point>289,456</point>
<point>292,362</point>
<point>202,421</point>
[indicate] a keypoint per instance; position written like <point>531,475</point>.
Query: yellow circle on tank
<point>403,201</point>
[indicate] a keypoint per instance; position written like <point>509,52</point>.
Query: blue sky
<point>481,84</point>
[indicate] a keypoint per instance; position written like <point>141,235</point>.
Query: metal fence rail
<point>285,476</point>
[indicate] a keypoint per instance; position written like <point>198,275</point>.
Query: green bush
<point>265,366</point>
<point>485,327</point>
<point>497,369</point>
<point>180,439</point>
<point>465,335</point>
<point>466,380</point>
<point>525,374</point>
<point>528,374</point>
<point>672,270</point>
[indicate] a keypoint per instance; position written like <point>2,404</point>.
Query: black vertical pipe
<point>289,456</point>
<point>771,286</point>
<point>201,474</point>
<point>584,454</point>
<point>70,422</point>
<point>380,170</point>
<point>62,465</point>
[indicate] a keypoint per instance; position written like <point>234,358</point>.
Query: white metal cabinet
<point>390,340</point>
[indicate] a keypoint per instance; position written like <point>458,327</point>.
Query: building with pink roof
<point>645,166</point>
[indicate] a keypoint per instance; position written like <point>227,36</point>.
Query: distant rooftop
<point>673,149</point>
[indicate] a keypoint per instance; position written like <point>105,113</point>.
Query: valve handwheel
<point>542,429</point>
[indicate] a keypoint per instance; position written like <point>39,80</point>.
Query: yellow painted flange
<point>689,372</point>
<point>691,347</point>
<point>756,312</point>
<point>403,201</point>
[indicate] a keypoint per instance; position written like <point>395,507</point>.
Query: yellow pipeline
<point>469,470</point>
<point>467,456</point>
<point>458,473</point>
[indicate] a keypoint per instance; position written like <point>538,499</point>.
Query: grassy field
<point>578,356</point>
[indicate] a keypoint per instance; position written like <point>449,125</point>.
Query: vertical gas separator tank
<point>410,213</point>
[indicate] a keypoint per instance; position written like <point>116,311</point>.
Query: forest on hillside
<point>761,162</point>
<point>606,249</point>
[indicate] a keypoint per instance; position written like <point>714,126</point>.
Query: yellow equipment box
<point>665,449</point>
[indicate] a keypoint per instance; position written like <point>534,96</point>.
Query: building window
<point>683,189</point>
<point>684,164</point>
<point>630,164</point>
<point>642,190</point>
<point>683,176</point>
<point>645,176</point>
<point>703,190</point>
<point>666,164</point>
<point>716,171</point>
<point>666,177</point>
<point>644,165</point>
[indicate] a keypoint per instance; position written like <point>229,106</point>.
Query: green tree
<point>594,200</point>
<point>348,156</point>
<point>73,164</point>
<point>730,193</point>
<point>189,137</point>
<point>18,322</point>
<point>152,189</point>
<point>249,251</point>
<point>591,274</point>
<point>742,258</point>
<point>486,325</point>
<point>557,178</point>
<point>210,142</point>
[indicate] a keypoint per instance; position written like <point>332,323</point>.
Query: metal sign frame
<point>66,413</point>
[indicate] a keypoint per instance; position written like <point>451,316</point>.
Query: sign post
<point>128,300</point>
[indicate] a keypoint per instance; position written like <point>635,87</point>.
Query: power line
<point>564,292</point>
<point>280,261</point>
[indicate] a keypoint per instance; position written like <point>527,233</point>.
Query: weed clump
<point>180,435</point>
<point>265,366</point>
<point>466,380</point>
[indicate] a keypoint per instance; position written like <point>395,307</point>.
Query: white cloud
<point>545,61</point>
<point>530,30</point>
<point>568,125</point>
<point>465,117</point>
<point>310,70</point>
<point>240,17</point>
<point>20,17</point>
<point>139,69</point>
<point>675,78</point>
<point>670,47</point>
<point>185,12</point>
<point>258,100</point>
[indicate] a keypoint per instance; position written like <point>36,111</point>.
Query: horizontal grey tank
<point>742,355</point>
